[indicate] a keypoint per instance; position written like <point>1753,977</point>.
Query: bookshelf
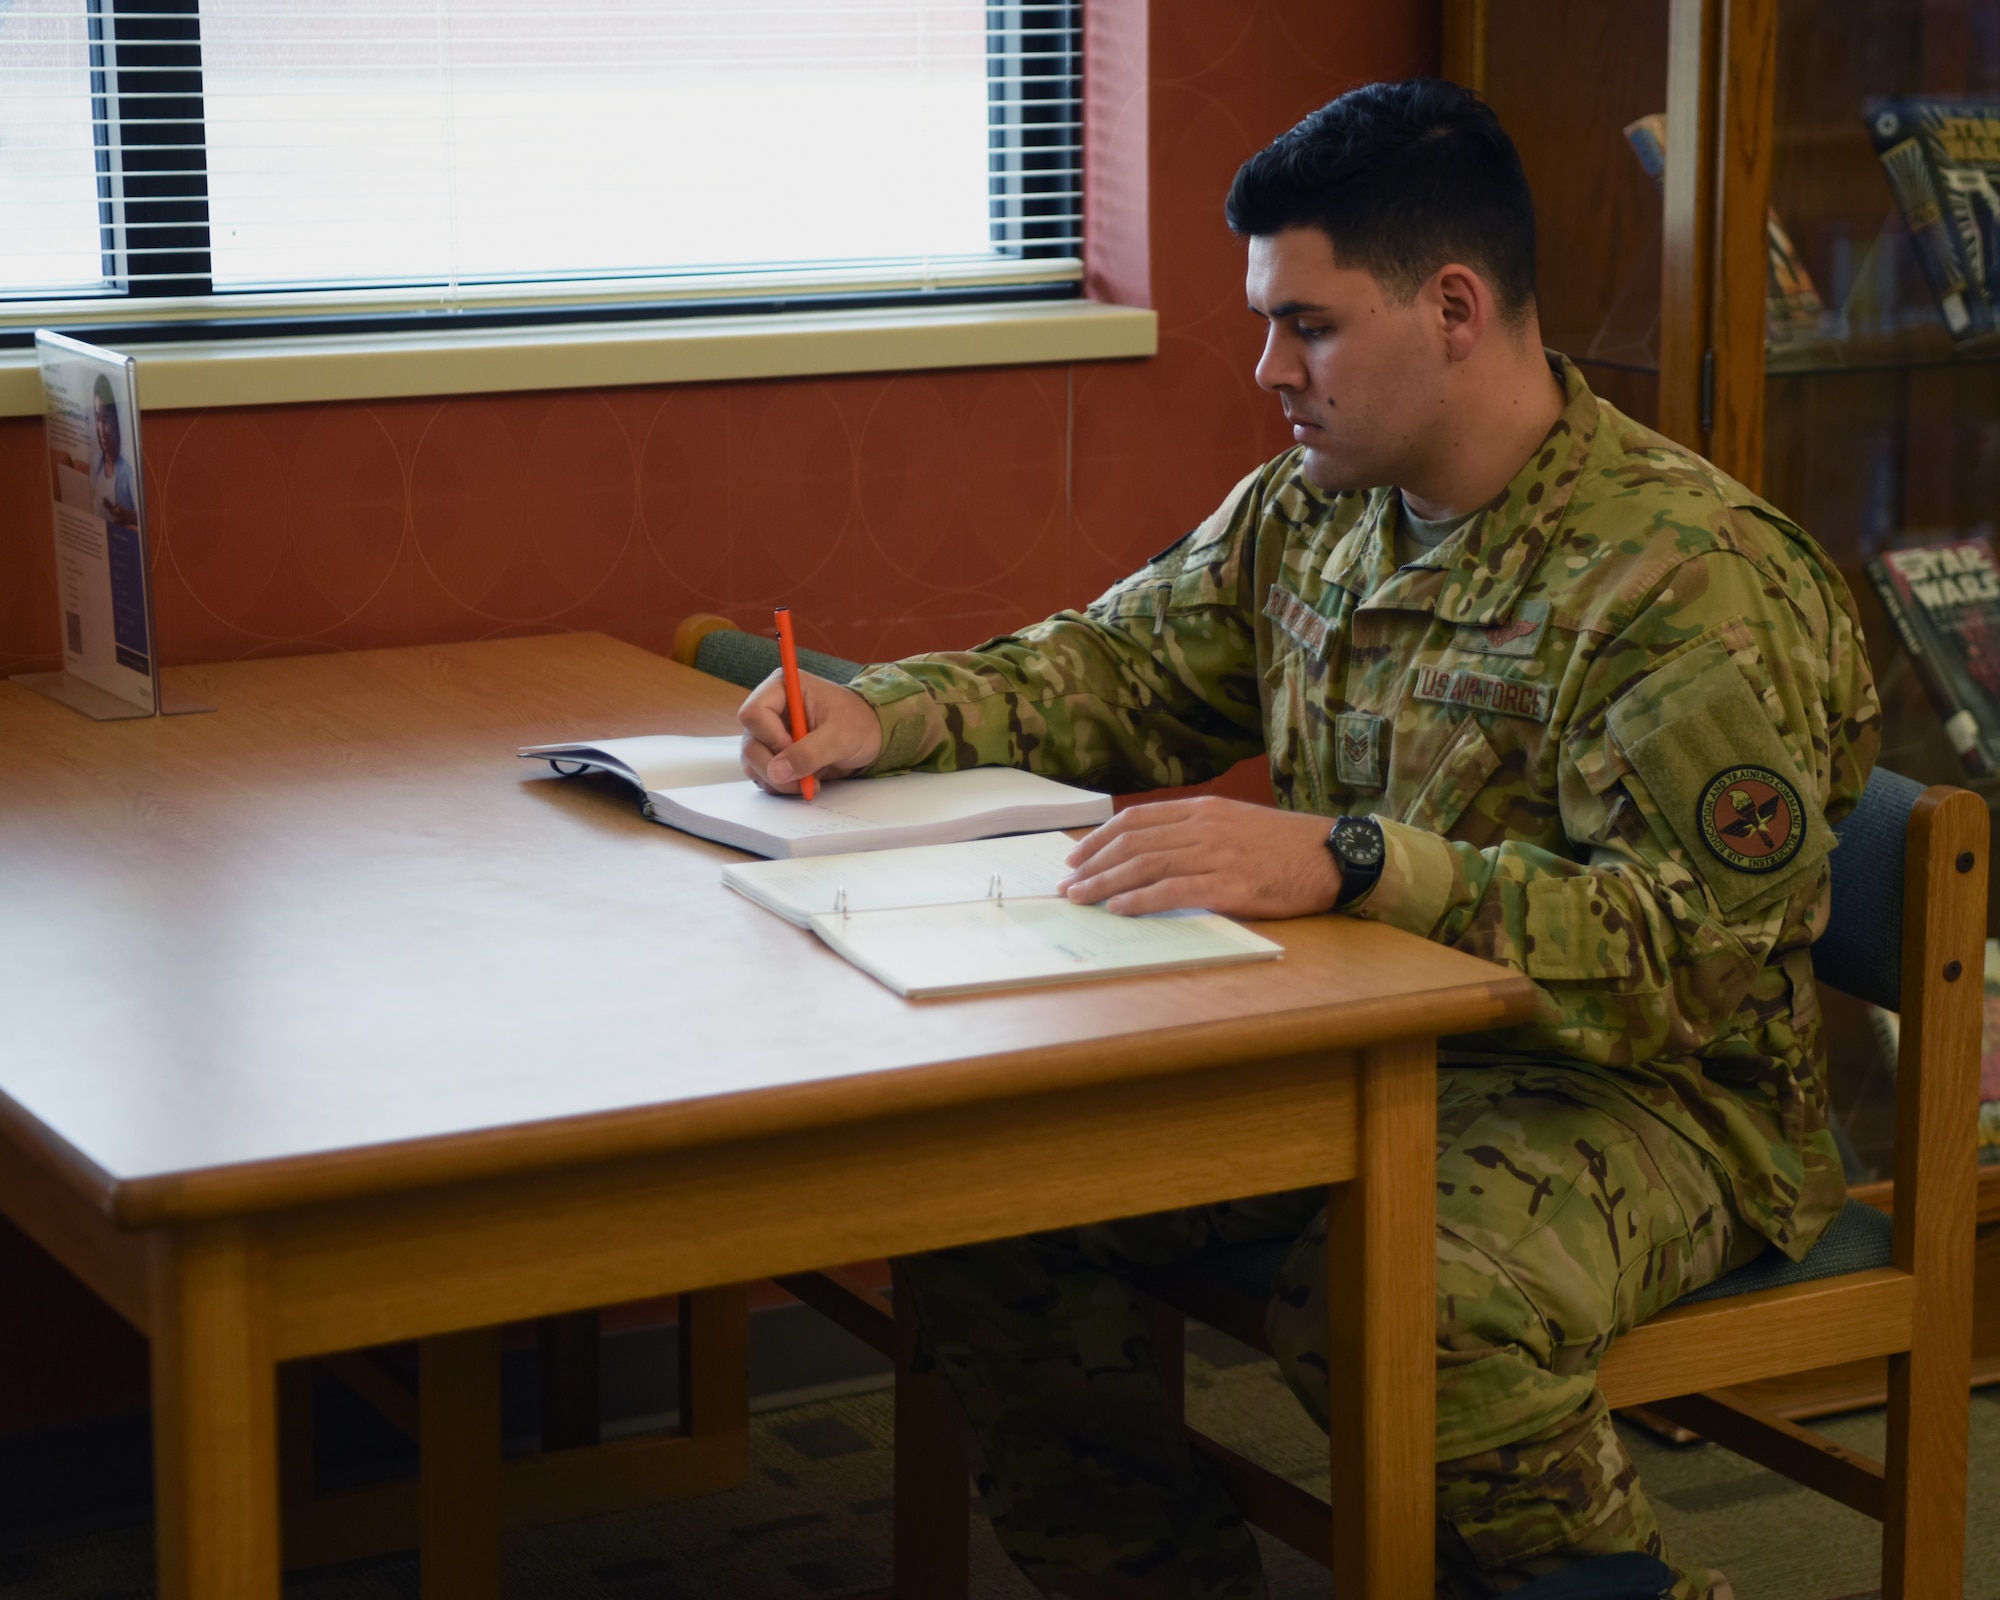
<point>1871,427</point>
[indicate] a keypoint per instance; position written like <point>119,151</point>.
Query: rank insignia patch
<point>1357,749</point>
<point>1751,818</point>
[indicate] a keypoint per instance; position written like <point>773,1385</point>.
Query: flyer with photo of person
<point>95,490</point>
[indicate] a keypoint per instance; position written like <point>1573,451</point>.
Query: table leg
<point>458,1457</point>
<point>568,1354</point>
<point>715,1361</point>
<point>1381,1271</point>
<point>215,1417</point>
<point>296,1480</point>
<point>932,1552</point>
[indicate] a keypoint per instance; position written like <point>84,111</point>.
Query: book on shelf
<point>697,785</point>
<point>951,919</point>
<point>1941,156</point>
<point>1944,600</point>
<point>1792,307</point>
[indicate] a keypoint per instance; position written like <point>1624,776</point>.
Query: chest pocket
<point>1439,797</point>
<point>1297,729</point>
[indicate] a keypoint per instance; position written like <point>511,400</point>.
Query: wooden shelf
<point>1907,351</point>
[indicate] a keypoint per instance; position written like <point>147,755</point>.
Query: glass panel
<point>1843,64</point>
<point>1882,430</point>
<point>49,238</point>
<point>1597,214</point>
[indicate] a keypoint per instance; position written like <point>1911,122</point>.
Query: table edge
<point>212,1193</point>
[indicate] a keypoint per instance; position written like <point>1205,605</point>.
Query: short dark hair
<point>1403,178</point>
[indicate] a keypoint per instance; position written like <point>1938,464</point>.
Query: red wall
<point>900,513</point>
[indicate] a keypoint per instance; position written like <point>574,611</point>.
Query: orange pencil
<point>795,696</point>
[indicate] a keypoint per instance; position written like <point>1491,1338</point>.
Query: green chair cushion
<point>1857,1240</point>
<point>749,658</point>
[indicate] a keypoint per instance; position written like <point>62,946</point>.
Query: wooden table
<point>330,1023</point>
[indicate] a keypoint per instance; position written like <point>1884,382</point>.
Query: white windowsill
<point>235,372</point>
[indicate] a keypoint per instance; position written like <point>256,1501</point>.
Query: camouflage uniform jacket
<point>1605,726</point>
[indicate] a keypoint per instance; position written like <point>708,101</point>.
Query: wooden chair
<point>445,1393</point>
<point>930,1488</point>
<point>1906,932</point>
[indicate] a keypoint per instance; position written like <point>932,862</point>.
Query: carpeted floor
<point>813,1517</point>
<point>1773,1539</point>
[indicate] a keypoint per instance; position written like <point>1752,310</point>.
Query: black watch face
<point>1358,843</point>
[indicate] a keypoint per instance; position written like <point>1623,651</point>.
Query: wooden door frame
<point>1721,79</point>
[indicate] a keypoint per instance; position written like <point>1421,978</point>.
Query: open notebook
<point>960,918</point>
<point>696,785</point>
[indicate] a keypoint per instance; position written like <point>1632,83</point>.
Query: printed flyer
<point>95,485</point>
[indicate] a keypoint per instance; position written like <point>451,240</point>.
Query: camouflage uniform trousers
<point>1559,1224</point>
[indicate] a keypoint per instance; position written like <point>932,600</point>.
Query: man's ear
<point>1465,305</point>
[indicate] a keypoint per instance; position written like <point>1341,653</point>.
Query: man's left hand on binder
<point>1221,855</point>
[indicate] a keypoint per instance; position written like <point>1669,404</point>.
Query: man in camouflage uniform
<point>1602,718</point>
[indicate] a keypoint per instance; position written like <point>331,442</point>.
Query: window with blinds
<point>244,156</point>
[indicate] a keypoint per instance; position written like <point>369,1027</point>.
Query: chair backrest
<point>1861,952</point>
<point>1918,946</point>
<point>749,658</point>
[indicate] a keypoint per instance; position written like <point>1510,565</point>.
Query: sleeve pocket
<point>1575,934</point>
<point>1685,729</point>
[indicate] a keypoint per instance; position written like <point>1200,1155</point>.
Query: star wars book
<point>1941,157</point>
<point>1945,602</point>
<point>1792,306</point>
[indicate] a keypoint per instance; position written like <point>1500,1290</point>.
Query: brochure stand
<point>110,667</point>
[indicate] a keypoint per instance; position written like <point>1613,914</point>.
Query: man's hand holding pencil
<point>797,728</point>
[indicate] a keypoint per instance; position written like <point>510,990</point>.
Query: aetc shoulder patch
<point>1751,818</point>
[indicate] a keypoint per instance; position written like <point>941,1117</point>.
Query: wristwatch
<point>1355,843</point>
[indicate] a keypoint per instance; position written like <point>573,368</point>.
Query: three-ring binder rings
<point>950,919</point>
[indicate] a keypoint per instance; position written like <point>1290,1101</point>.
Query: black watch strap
<point>1358,849</point>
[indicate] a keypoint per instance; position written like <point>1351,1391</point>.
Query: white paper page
<point>912,800</point>
<point>955,949</point>
<point>917,875</point>
<point>657,760</point>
